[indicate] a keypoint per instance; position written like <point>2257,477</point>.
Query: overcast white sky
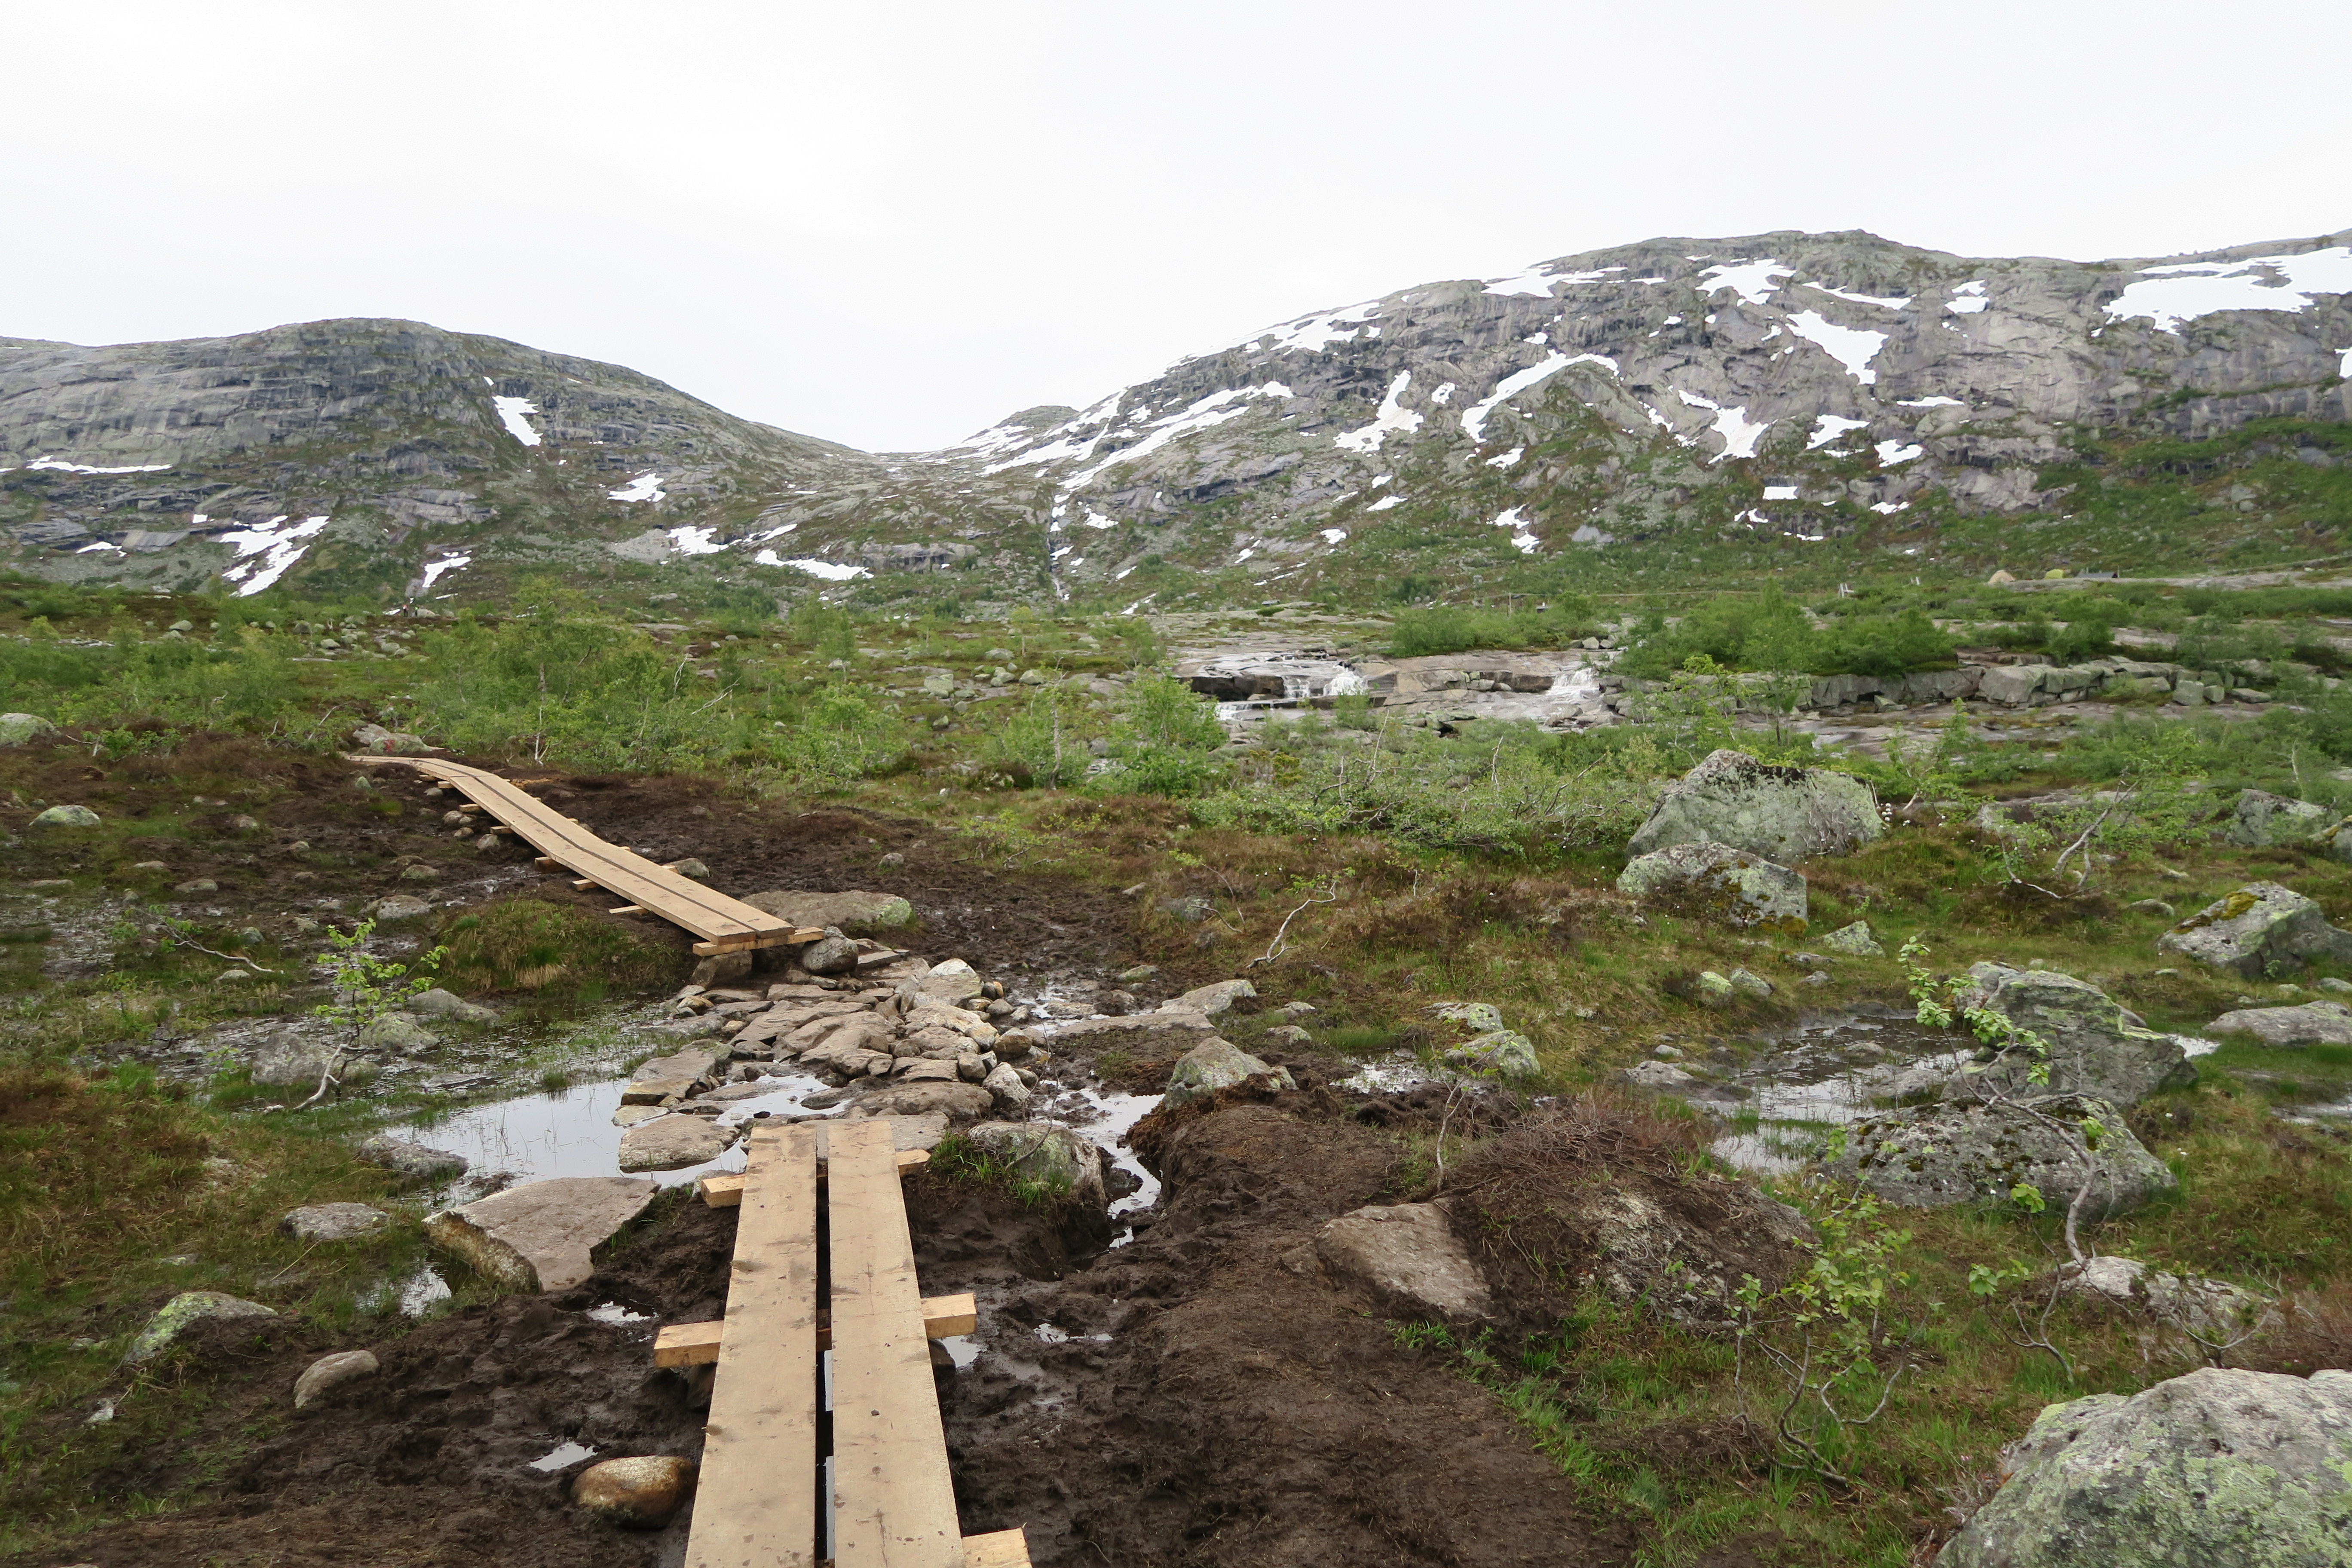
<point>892,224</point>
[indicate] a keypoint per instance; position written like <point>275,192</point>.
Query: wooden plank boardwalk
<point>760,1501</point>
<point>724,924</point>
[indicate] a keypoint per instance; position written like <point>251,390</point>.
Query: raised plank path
<point>724,924</point>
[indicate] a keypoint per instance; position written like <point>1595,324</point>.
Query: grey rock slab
<point>852,913</point>
<point>1720,884</point>
<point>958,1101</point>
<point>1406,1257</point>
<point>2261,924</point>
<point>393,1032</point>
<point>1216,1064</point>
<point>1135,1030</point>
<point>291,1062</point>
<point>2225,1467</point>
<point>542,1235</point>
<point>2097,1046</point>
<point>410,1159</point>
<point>1783,813</point>
<point>669,1142</point>
<point>1210,1000</point>
<point>439,1003</point>
<point>1657,1075</point>
<point>332,1222</point>
<point>176,1316</point>
<point>2260,820</point>
<point>2212,1309</point>
<point>1966,1151</point>
<point>1047,1152</point>
<point>2312,1024</point>
<point>331,1372</point>
<point>398,907</point>
<point>1855,940</point>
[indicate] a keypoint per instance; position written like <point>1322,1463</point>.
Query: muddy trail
<point>1200,1395</point>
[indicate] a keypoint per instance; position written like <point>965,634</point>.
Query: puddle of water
<point>1114,1116</point>
<point>614,1313</point>
<point>563,1454</point>
<point>962,1349</point>
<point>1048,1334</point>
<point>1761,1153</point>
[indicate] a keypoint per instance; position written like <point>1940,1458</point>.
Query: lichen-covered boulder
<point>183,1311</point>
<point>405,1158</point>
<point>1780,813</point>
<point>1854,940</point>
<point>1966,1151</point>
<point>17,729</point>
<point>2290,1028</point>
<point>1047,1152</point>
<point>1216,1064</point>
<point>67,817</point>
<point>1719,883</point>
<point>2097,1046</point>
<point>2220,1468</point>
<point>2260,820</point>
<point>2260,925</point>
<point>2211,1308</point>
<point>1506,1052</point>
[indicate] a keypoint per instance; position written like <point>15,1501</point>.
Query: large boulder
<point>1216,1064</point>
<point>1720,884</point>
<point>18,729</point>
<point>1963,1151</point>
<point>1780,813</point>
<point>853,914</point>
<point>540,1235</point>
<point>2313,1024</point>
<point>2234,1469</point>
<point>2097,1046</point>
<point>2260,926</point>
<point>2260,820</point>
<point>1048,1152</point>
<point>1407,1259</point>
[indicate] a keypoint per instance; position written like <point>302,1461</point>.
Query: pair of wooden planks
<point>725,924</point>
<point>759,1503</point>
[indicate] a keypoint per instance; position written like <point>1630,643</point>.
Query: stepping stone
<point>540,1235</point>
<point>672,1141</point>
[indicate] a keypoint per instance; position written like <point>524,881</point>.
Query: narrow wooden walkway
<point>760,1501</point>
<point>724,924</point>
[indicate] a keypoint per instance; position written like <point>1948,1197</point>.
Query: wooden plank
<point>894,1502</point>
<point>724,1189</point>
<point>712,916</point>
<point>628,910</point>
<point>758,1497</point>
<point>693,1344</point>
<point>998,1549</point>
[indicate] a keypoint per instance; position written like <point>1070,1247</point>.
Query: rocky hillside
<point>1676,394</point>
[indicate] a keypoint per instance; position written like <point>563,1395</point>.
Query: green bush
<point>1444,629</point>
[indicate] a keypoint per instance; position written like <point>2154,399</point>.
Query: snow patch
<point>512,411</point>
<point>1739,434</point>
<point>1931,403</point>
<point>1884,302</point>
<point>1307,334</point>
<point>2170,296</point>
<point>1889,507</point>
<point>1968,298</point>
<point>1474,418</point>
<point>1387,501</point>
<point>1892,452</point>
<point>1538,283</point>
<point>830,571</point>
<point>1335,536</point>
<point>279,548</point>
<point>1508,458</point>
<point>60,466</point>
<point>645,486</point>
<point>1097,521</point>
<point>1201,415</point>
<point>1780,492</point>
<point>435,570</point>
<point>1850,346</point>
<point>1828,428</point>
<point>1393,415</point>
<point>1751,281</point>
<point>692,541</point>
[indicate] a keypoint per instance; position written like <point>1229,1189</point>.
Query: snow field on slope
<point>2170,297</point>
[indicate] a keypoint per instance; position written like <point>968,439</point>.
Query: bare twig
<point>1275,949</point>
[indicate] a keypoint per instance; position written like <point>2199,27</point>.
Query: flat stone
<point>1408,1260</point>
<point>333,1221</point>
<point>1210,1000</point>
<point>1854,940</point>
<point>1964,1152</point>
<point>540,1235</point>
<point>183,1311</point>
<point>332,1372</point>
<point>853,913</point>
<point>960,1101</point>
<point>630,1115</point>
<point>2313,1024</point>
<point>409,1159</point>
<point>671,1142</point>
<point>1657,1075</point>
<point>397,908</point>
<point>393,1032</point>
<point>439,1003</point>
<point>927,1070</point>
<point>1142,1031</point>
<point>639,1493</point>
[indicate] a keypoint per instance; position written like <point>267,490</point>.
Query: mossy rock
<point>528,944</point>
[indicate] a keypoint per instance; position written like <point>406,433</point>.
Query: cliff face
<point>1806,385</point>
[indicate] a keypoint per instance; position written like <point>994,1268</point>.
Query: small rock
<point>1216,1064</point>
<point>417,872</point>
<point>1854,940</point>
<point>332,1222</point>
<point>1818,977</point>
<point>176,1315</point>
<point>1506,1053</point>
<point>397,908</point>
<point>398,1034</point>
<point>1140,971</point>
<point>1005,1085</point>
<point>1288,1035</point>
<point>834,954</point>
<point>638,1493</point>
<point>332,1372</point>
<point>673,1141</point>
<point>1719,883</point>
<point>1658,1076</point>
<point>200,885</point>
<point>1715,990</point>
<point>1748,983</point>
<point>1210,1000</point>
<point>1296,1009</point>
<point>2152,906</point>
<point>1049,1152</point>
<point>691,867</point>
<point>2313,1024</point>
<point>409,1159</point>
<point>439,1003</point>
<point>1189,910</point>
<point>2341,987</point>
<point>67,817</point>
